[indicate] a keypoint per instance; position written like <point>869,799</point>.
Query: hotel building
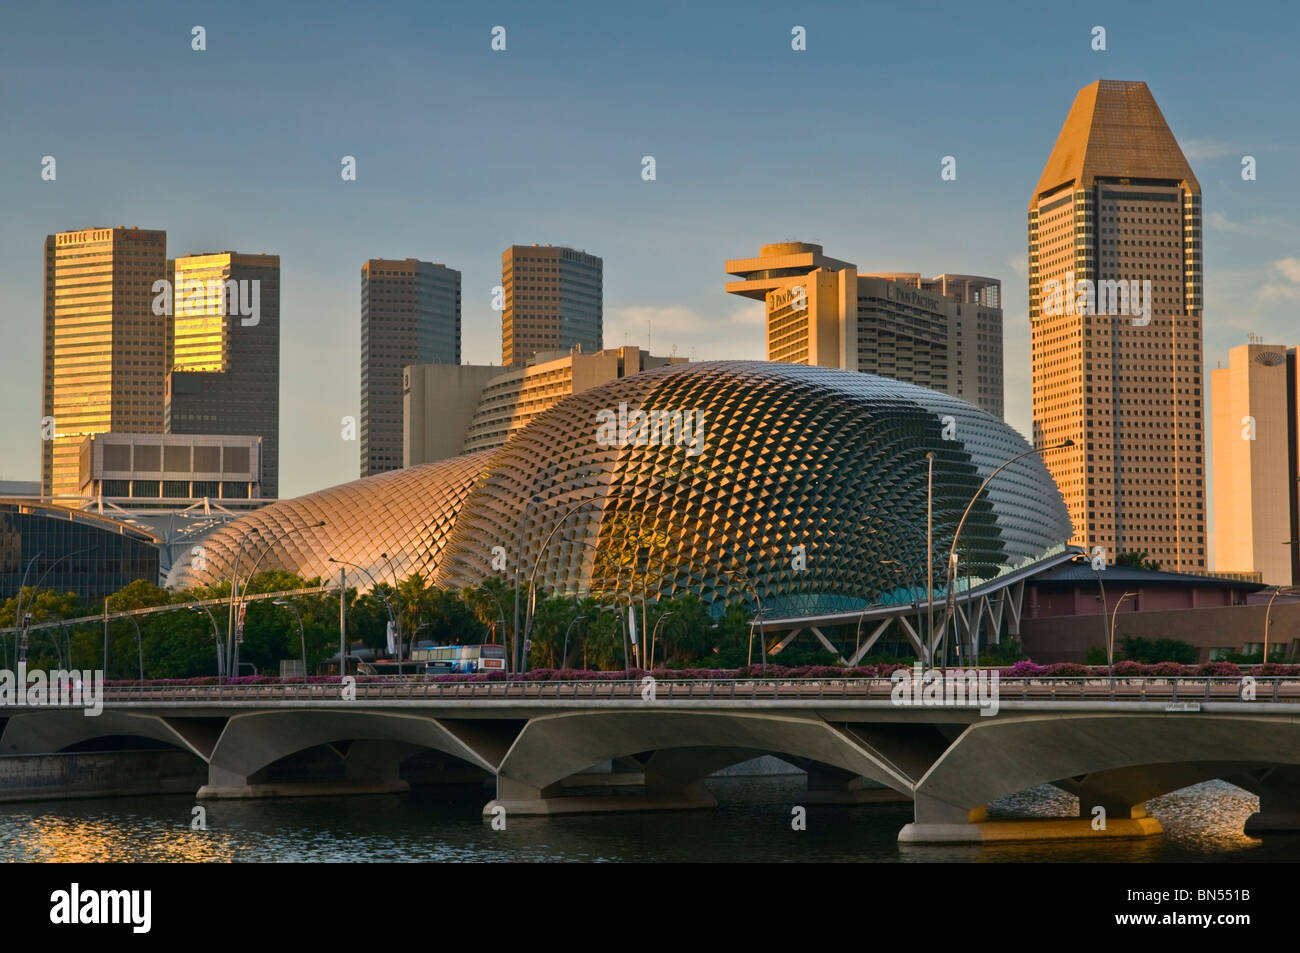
<point>944,333</point>
<point>1116,208</point>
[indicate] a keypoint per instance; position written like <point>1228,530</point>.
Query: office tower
<point>105,348</point>
<point>1115,313</point>
<point>944,333</point>
<point>1256,467</point>
<point>410,314</point>
<point>553,301</point>
<point>453,410</point>
<point>974,323</point>
<point>225,374</point>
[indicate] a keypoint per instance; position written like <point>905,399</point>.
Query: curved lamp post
<point>952,553</point>
<point>532,577</point>
<point>654,634</point>
<point>501,612</point>
<point>236,603</point>
<point>139,645</point>
<point>302,635</point>
<point>392,617</point>
<point>564,657</point>
<point>18,606</point>
<point>216,635</point>
<point>1278,590</point>
<point>1110,643</point>
<point>762,636</point>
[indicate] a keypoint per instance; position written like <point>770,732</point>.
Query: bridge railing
<point>1173,689</point>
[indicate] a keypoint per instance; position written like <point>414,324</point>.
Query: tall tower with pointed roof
<point>1115,314</point>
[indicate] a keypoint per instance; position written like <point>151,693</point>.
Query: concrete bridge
<point>1114,744</point>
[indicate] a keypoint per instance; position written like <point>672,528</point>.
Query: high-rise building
<point>106,351</point>
<point>1256,429</point>
<point>1115,314</point>
<point>225,373</point>
<point>554,300</point>
<point>410,314</point>
<point>944,333</point>
<point>455,410</point>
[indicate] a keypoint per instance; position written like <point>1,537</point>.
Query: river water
<point>751,823</point>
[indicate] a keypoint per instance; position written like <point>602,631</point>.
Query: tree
<point>1137,560</point>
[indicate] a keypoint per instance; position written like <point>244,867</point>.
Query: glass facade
<point>74,552</point>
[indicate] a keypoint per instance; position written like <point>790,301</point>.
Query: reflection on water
<point>751,823</point>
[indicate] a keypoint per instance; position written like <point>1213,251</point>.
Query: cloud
<point>733,332</point>
<point>1220,222</point>
<point>1195,149</point>
<point>1289,269</point>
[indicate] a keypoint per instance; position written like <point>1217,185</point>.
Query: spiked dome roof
<point>800,487</point>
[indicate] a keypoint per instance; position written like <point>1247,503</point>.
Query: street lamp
<point>302,635</point>
<point>532,578</point>
<point>655,633</point>
<point>139,645</point>
<point>1289,590</point>
<point>216,635</point>
<point>1101,586</point>
<point>1110,645</point>
<point>236,606</point>
<point>564,657</point>
<point>48,569</point>
<point>392,617</point>
<point>501,612</point>
<point>762,636</point>
<point>952,553</point>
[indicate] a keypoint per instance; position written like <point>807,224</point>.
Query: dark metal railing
<point>1189,689</point>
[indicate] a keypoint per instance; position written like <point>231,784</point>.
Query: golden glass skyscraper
<point>105,349</point>
<point>1115,314</point>
<point>225,366</point>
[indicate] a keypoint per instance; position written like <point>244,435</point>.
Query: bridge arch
<point>380,741</point>
<point>687,745</point>
<point>1120,759</point>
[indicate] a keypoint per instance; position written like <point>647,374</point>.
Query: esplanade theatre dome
<point>803,487</point>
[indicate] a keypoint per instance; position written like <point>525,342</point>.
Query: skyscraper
<point>410,314</point>
<point>1254,404</point>
<point>944,333</point>
<point>554,300</point>
<point>225,373</point>
<point>105,358</point>
<point>1115,313</point>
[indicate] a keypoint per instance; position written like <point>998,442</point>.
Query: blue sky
<point>462,151</point>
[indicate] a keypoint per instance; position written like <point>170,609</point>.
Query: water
<point>751,823</point>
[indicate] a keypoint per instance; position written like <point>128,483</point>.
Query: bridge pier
<point>829,785</point>
<point>1279,800</point>
<point>604,793</point>
<point>940,823</point>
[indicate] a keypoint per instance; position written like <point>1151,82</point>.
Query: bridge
<point>1115,743</point>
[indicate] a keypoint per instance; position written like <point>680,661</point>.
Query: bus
<point>466,659</point>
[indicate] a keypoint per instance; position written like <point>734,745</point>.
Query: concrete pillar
<point>829,785</point>
<point>1279,802</point>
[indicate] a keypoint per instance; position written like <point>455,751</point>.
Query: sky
<point>462,151</point>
